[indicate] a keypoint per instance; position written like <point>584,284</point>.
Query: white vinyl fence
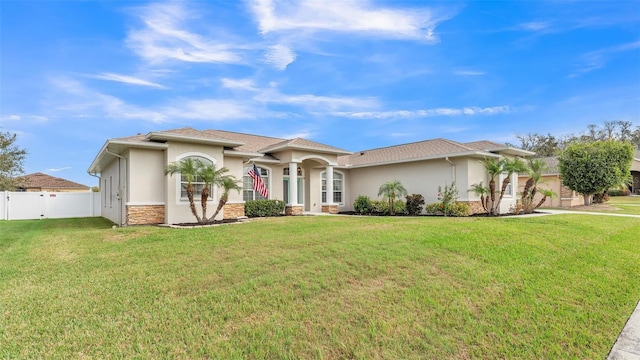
<point>48,205</point>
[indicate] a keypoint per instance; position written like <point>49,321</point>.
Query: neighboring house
<point>551,180</point>
<point>567,198</point>
<point>135,189</point>
<point>42,182</point>
<point>635,174</point>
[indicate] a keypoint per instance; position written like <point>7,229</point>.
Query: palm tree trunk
<point>527,188</point>
<point>492,193</point>
<point>203,200</point>
<point>484,201</point>
<point>192,204</point>
<point>221,204</point>
<point>544,198</point>
<point>392,210</point>
<point>505,183</point>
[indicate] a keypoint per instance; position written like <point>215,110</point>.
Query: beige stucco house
<point>135,189</point>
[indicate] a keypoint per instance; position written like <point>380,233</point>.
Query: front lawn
<point>549,287</point>
<point>626,204</point>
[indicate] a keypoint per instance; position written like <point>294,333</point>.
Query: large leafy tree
<point>593,167</point>
<point>390,191</point>
<point>11,160</point>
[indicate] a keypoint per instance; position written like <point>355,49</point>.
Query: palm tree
<point>483,192</point>
<point>509,166</point>
<point>390,190</point>
<point>211,177</point>
<point>536,168</point>
<point>545,194</point>
<point>493,167</point>
<point>187,167</point>
<point>226,183</point>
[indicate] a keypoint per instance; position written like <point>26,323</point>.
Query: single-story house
<point>136,190</point>
<point>37,182</point>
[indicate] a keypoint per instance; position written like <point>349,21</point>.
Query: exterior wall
<point>145,214</point>
<point>233,210</point>
<point>235,166</point>
<point>420,177</point>
<point>177,210</point>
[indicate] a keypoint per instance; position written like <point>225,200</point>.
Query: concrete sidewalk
<point>627,347</point>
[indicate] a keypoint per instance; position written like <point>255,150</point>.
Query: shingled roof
<point>43,181</point>
<point>406,152</point>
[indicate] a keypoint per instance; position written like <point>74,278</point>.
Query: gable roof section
<point>490,146</point>
<point>421,150</point>
<point>304,144</point>
<point>40,180</point>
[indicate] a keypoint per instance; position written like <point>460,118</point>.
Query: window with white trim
<point>248,193</point>
<point>198,181</point>
<point>509,190</point>
<point>338,187</point>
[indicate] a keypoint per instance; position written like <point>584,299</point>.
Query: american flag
<point>258,184</point>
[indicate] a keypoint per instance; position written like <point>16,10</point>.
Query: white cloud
<point>211,109</point>
<point>165,36</point>
<point>58,169</point>
<point>279,56</point>
<point>12,117</point>
<point>127,80</point>
<point>355,16</point>
<point>301,134</point>
<point>316,102</point>
<point>598,59</point>
<point>403,114</point>
<point>242,84</point>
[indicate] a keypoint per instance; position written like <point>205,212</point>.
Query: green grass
<point>626,204</point>
<point>549,287</point>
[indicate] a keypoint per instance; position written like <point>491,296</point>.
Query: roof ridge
<point>242,133</point>
<point>409,143</point>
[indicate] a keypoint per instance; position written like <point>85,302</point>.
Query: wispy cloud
<point>16,118</point>
<point>165,36</point>
<point>297,22</point>
<point>598,59</point>
<point>468,73</point>
<point>279,56</point>
<point>312,102</point>
<point>242,84</point>
<point>404,114</point>
<point>535,25</point>
<point>58,169</point>
<point>12,117</point>
<point>355,16</point>
<point>127,80</point>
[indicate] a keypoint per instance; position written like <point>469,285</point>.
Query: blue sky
<point>352,74</point>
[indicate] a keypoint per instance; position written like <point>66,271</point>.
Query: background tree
<point>542,145</point>
<point>11,160</point>
<point>391,190</point>
<point>593,167</point>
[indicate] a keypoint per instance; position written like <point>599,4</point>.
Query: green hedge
<point>263,208</point>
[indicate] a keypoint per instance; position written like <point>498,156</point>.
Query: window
<point>247,184</point>
<point>338,187</point>
<point>197,182</point>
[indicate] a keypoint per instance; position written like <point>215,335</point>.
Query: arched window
<point>247,184</point>
<point>198,181</point>
<point>338,187</point>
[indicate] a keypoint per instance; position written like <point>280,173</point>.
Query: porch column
<point>293,184</point>
<point>329,172</point>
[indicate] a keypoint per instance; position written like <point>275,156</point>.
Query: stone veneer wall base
<point>233,211</point>
<point>293,210</point>
<point>145,214</point>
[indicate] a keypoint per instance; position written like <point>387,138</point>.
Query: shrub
<point>455,209</point>
<point>263,208</point>
<point>363,205</point>
<point>623,192</point>
<point>434,209</point>
<point>414,204</point>
<point>382,207</point>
